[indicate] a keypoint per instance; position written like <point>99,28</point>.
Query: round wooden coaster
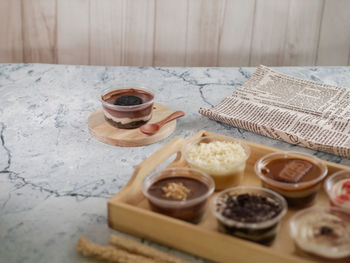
<point>105,132</point>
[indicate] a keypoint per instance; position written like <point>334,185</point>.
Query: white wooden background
<point>176,32</point>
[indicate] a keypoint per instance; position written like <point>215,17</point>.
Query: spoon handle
<point>173,116</point>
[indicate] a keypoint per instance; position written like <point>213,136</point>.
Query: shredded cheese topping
<point>218,157</point>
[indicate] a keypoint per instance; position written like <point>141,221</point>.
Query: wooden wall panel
<point>334,44</point>
<point>73,25</point>
<point>138,32</point>
<point>203,31</point>
<point>39,31</point>
<point>170,33</point>
<point>106,32</point>
<point>176,33</point>
<point>301,42</point>
<point>269,32</point>
<point>236,33</point>
<point>11,41</point>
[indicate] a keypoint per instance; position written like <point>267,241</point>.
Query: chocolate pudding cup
<point>251,213</point>
<point>225,165</point>
<point>322,231</point>
<point>181,193</point>
<point>337,187</point>
<point>296,176</point>
<point>127,106</point>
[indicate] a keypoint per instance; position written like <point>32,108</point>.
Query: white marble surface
<point>55,178</point>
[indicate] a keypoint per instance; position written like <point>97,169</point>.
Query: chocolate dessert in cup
<point>251,213</point>
<point>179,192</point>
<point>322,231</point>
<point>337,187</point>
<point>223,158</point>
<point>296,176</point>
<point>127,106</point>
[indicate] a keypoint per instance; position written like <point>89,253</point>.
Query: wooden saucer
<point>105,132</point>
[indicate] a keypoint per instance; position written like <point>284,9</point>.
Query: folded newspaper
<point>296,111</point>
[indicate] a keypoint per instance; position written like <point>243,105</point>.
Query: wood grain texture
<point>301,40</point>
<point>106,32</point>
<point>176,33</point>
<point>269,32</point>
<point>73,25</point>
<point>138,32</point>
<point>11,39</point>
<point>236,33</point>
<point>205,19</point>
<point>170,33</point>
<point>39,31</point>
<point>334,42</point>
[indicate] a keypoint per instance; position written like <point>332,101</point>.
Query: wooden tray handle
<point>132,188</point>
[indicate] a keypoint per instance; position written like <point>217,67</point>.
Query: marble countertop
<point>55,178</point>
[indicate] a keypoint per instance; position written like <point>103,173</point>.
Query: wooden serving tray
<point>128,211</point>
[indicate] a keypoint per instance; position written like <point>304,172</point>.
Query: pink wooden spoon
<point>152,128</point>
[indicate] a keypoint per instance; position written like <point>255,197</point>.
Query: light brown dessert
<point>296,176</point>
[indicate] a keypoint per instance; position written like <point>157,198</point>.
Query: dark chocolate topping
<point>128,100</point>
<point>292,170</point>
<point>250,208</point>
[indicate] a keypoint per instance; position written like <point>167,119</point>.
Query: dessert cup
<point>322,231</point>
<point>251,213</point>
<point>127,106</point>
<point>223,158</point>
<point>337,187</point>
<point>296,176</point>
<point>179,192</point>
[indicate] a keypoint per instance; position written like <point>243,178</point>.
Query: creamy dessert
<point>127,108</point>
<point>337,187</point>
<point>323,231</point>
<point>251,213</point>
<point>296,176</point>
<point>179,192</point>
<point>223,158</point>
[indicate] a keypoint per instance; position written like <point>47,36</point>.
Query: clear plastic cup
<point>337,187</point>
<point>191,209</point>
<point>127,116</point>
<point>226,167</point>
<point>322,231</point>
<point>297,194</point>
<point>253,224</point>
